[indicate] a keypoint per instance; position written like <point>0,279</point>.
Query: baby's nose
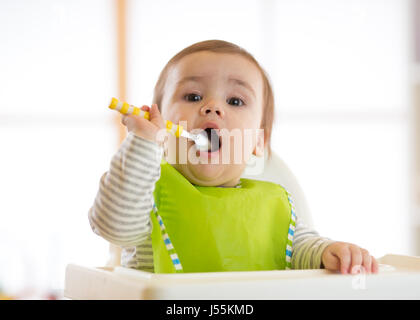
<point>207,109</point>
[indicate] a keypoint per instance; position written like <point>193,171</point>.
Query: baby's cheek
<point>241,148</point>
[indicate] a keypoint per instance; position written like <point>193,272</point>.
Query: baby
<point>198,215</point>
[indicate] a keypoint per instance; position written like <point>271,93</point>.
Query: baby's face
<point>215,90</point>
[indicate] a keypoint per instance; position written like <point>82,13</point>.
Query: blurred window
<point>56,135</point>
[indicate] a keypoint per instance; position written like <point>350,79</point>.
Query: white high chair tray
<point>398,278</point>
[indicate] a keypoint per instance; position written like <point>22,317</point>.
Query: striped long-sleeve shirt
<point>121,211</point>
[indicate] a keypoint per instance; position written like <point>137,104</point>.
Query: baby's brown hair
<point>220,46</point>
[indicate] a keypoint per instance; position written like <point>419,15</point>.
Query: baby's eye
<point>235,102</point>
<point>192,97</point>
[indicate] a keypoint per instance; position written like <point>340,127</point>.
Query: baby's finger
<point>134,122</point>
<point>356,259</point>
<point>145,108</point>
<point>375,266</point>
<point>367,261</point>
<point>345,259</point>
<point>330,261</point>
<point>124,119</point>
<point>156,117</point>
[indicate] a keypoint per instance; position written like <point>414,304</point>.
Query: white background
<point>56,136</point>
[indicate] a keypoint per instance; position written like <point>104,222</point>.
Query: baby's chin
<point>201,174</point>
<point>207,174</point>
<point>211,175</point>
<point>210,169</point>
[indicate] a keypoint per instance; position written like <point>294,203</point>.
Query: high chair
<point>399,275</point>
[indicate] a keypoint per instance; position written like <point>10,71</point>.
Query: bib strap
<point>291,233</point>
<point>168,242</point>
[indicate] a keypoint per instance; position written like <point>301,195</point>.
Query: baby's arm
<point>307,247</point>
<point>121,212</point>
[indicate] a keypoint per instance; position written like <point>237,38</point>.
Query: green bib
<point>208,229</point>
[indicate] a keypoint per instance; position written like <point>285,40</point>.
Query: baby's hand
<point>147,129</point>
<point>348,258</point>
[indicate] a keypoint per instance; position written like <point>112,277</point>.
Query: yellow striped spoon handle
<point>125,108</point>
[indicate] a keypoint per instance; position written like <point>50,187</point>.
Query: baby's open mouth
<point>215,141</point>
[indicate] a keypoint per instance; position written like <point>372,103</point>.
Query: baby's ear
<point>260,144</point>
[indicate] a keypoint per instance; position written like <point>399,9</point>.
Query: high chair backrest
<point>273,170</point>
